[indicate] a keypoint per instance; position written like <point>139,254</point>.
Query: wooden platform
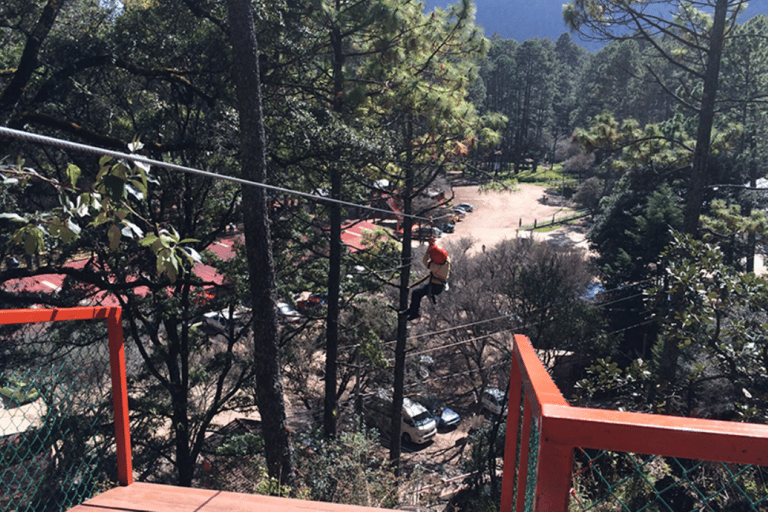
<point>140,497</point>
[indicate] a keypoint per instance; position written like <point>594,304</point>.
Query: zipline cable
<point>43,139</point>
<point>52,141</point>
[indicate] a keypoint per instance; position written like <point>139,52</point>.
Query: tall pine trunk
<point>698,181</point>
<point>395,446</point>
<point>258,245</point>
<point>330,410</point>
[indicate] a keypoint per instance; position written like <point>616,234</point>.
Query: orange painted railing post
<point>561,428</point>
<point>114,317</point>
<point>555,466</point>
<point>120,397</point>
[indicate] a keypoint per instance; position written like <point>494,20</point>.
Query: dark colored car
<point>445,417</point>
<point>425,232</point>
<point>465,206</point>
<point>448,227</point>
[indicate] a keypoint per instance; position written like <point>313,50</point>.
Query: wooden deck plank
<point>143,497</point>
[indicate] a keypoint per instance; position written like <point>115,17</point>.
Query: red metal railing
<point>562,428</point>
<point>542,427</point>
<point>113,317</point>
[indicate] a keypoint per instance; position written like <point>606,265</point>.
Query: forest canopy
<point>658,138</point>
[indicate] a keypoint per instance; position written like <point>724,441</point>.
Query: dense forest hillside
<point>331,114</point>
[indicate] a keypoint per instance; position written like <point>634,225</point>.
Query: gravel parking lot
<point>498,216</point>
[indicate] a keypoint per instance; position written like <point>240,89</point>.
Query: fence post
<point>553,482</point>
<point>120,396</point>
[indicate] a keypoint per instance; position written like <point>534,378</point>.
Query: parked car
<point>448,227</point>
<point>219,321</point>
<point>444,416</point>
<point>465,206</point>
<point>459,214</point>
<point>492,400</point>
<point>417,426</point>
<point>425,232</point>
<point>287,313</point>
<point>314,301</point>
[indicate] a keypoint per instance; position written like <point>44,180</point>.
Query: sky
<point>524,19</point>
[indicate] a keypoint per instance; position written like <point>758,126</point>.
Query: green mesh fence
<point>56,427</point>
<point>528,488</point>
<point>533,455</point>
<point>519,430</point>
<point>616,481</point>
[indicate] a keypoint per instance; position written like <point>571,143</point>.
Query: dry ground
<point>497,216</point>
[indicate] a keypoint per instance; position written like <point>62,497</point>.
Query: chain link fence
<point>580,459</point>
<point>57,444</point>
<point>615,481</point>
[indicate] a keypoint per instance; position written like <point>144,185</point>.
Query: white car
<point>492,400</point>
<point>417,426</point>
<point>287,313</point>
<point>218,321</point>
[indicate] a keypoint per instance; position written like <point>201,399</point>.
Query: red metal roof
<point>47,283</point>
<point>352,234</point>
<point>225,249</point>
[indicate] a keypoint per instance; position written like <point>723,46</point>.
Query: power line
<point>506,316</point>
<point>458,374</point>
<point>448,329</point>
<point>503,331</point>
<point>52,141</point>
<point>462,342</point>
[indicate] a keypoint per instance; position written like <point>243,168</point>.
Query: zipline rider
<point>439,265</point>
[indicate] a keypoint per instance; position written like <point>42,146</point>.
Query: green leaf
<point>167,263</point>
<point>114,237</point>
<point>132,229</point>
<point>135,189</point>
<point>114,186</point>
<point>66,231</point>
<point>135,145</point>
<point>33,240</point>
<point>143,171</point>
<point>192,254</point>
<point>73,173</point>
<point>149,240</point>
<point>73,227</point>
<point>101,218</point>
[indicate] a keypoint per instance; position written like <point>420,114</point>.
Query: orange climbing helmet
<point>437,253</point>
